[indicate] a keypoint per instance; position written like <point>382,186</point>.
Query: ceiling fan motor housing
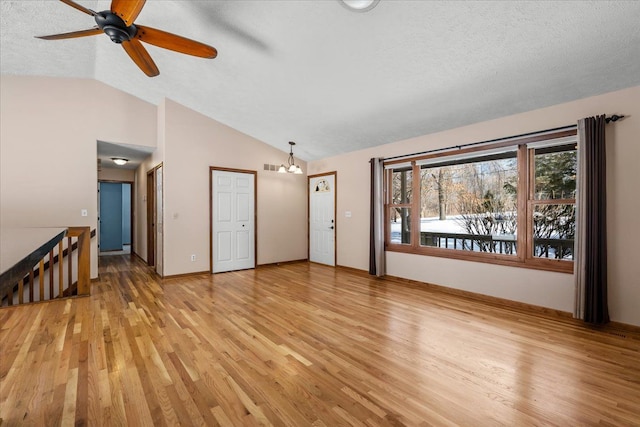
<point>115,27</point>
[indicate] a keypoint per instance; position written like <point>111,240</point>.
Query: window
<point>552,207</point>
<point>512,203</point>
<point>399,209</point>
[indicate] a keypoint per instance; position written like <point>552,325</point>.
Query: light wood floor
<point>301,345</point>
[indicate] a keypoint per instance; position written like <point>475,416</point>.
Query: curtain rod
<point>471,144</point>
<point>613,118</point>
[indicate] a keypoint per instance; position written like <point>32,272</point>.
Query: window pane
<point>555,170</point>
<point>470,206</point>
<point>400,225</point>
<point>401,186</point>
<point>554,231</point>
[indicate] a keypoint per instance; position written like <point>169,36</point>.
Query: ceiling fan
<point>118,24</point>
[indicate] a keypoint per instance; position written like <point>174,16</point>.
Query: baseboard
<point>355,270</point>
<point>135,254</point>
<point>274,264</point>
<point>195,273</point>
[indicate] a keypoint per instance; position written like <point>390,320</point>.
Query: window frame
<point>526,204</point>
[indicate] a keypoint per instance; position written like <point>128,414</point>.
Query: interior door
<point>110,216</point>
<point>322,226</point>
<point>159,221</point>
<point>233,220</point>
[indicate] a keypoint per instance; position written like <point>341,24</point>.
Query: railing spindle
<point>51,274</point>
<point>60,269</point>
<point>41,279</point>
<point>70,263</point>
<point>31,285</point>
<point>21,291</point>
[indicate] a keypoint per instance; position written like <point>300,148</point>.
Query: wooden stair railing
<point>18,282</point>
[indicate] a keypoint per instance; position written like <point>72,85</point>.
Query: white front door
<point>233,221</point>
<point>322,226</point>
<point>159,222</point>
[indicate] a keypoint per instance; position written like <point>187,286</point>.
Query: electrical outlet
<point>193,257</point>
<point>84,212</point>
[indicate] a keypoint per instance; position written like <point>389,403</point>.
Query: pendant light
<point>291,166</point>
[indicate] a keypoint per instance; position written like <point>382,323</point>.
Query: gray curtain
<point>590,257</point>
<point>376,235</point>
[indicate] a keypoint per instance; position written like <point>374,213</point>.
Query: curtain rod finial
<point>613,118</point>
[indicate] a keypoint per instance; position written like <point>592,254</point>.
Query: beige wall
<point>50,128</point>
<point>116,174</point>
<point>547,289</point>
<point>193,143</point>
<point>140,198</point>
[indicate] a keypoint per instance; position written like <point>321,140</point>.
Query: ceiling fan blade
<point>79,7</point>
<point>128,10</point>
<point>141,57</point>
<point>72,35</point>
<point>174,42</point>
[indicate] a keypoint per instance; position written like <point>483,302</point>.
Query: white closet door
<point>233,221</point>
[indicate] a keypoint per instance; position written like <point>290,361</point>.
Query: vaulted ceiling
<point>334,80</point>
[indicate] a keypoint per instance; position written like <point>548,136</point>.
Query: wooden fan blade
<point>174,42</point>
<point>72,35</point>
<point>79,7</point>
<point>128,10</point>
<point>141,57</point>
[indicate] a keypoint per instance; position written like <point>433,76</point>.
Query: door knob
<point>331,227</point>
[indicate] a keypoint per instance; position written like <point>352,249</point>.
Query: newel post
<point>84,258</point>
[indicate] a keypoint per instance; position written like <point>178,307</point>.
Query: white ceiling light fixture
<point>359,5</point>
<point>119,161</point>
<point>291,164</point>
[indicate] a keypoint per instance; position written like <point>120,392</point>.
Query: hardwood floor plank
<point>304,344</point>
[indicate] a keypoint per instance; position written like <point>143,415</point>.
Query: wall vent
<point>273,168</point>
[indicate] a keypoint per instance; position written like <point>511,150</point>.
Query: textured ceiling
<point>335,81</point>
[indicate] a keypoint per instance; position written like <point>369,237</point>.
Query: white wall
<point>48,147</point>
<point>548,289</point>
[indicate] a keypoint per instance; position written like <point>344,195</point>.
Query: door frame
<point>151,215</point>
<point>133,207</point>
<point>255,210</point>
<point>335,214</point>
